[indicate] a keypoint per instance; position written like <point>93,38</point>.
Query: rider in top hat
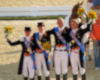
<point>76,57</point>
<point>26,63</point>
<point>61,35</point>
<point>41,41</point>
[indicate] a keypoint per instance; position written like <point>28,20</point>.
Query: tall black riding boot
<point>25,78</point>
<point>32,79</point>
<point>57,77</point>
<point>65,77</point>
<point>84,77</point>
<point>74,77</point>
<point>39,78</point>
<point>47,78</point>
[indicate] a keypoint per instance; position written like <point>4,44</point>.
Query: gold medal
<point>28,50</point>
<point>73,41</point>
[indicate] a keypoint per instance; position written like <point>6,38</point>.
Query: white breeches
<point>28,67</point>
<point>41,64</point>
<point>75,62</point>
<point>61,62</point>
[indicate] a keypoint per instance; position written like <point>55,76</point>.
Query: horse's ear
<point>81,3</point>
<point>74,11</point>
<point>78,3</point>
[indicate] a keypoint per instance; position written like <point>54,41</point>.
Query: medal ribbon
<point>62,40</point>
<point>41,47</point>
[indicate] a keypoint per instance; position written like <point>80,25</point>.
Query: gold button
<point>73,41</point>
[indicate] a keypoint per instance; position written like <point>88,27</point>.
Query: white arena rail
<point>35,11</point>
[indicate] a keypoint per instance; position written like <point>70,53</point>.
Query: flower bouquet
<point>46,45</point>
<point>80,12</point>
<point>8,30</point>
<point>92,16</point>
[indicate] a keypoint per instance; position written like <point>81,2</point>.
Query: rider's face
<point>27,33</point>
<point>41,28</point>
<point>60,23</point>
<point>74,25</point>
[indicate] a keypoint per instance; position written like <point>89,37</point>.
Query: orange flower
<point>92,14</point>
<point>46,45</point>
<point>8,29</point>
<point>80,12</point>
<point>32,38</point>
<point>45,34</point>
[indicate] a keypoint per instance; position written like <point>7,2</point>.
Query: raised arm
<point>50,32</point>
<point>85,28</point>
<point>14,43</point>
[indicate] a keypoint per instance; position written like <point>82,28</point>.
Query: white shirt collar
<point>41,33</point>
<point>74,30</point>
<point>28,38</point>
<point>61,29</point>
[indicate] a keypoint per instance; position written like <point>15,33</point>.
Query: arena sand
<point>18,3</point>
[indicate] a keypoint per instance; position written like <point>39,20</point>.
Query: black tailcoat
<point>45,38</point>
<point>79,35</point>
<point>24,49</point>
<point>64,34</point>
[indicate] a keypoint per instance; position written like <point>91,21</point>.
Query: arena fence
<point>35,11</point>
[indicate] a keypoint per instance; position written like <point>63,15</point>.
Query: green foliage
<point>30,18</point>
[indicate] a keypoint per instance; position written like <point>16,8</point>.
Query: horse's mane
<point>74,11</point>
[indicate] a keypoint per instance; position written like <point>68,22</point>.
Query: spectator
<point>88,8</point>
<point>96,44</point>
<point>90,1</point>
<point>96,4</point>
<point>89,5</point>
